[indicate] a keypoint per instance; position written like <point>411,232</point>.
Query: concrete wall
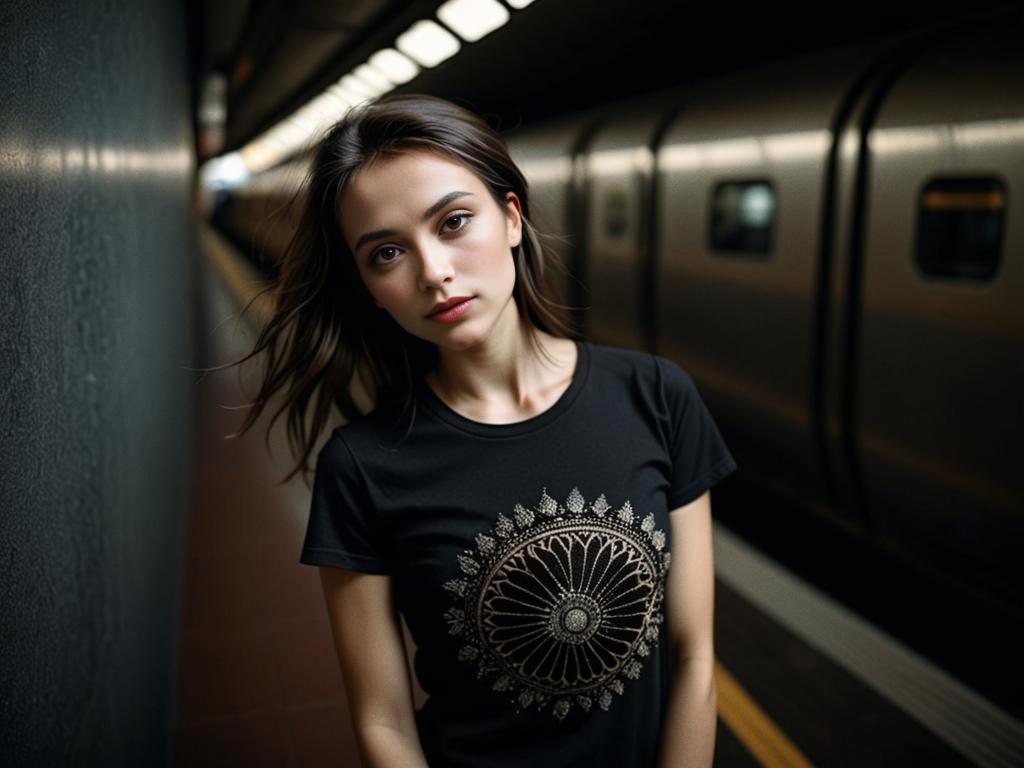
<point>96,279</point>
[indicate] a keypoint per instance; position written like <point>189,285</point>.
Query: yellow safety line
<point>762,737</point>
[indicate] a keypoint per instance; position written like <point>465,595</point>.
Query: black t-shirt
<point>529,559</point>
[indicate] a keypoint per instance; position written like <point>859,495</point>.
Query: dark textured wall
<point>96,273</point>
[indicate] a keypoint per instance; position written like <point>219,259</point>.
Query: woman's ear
<point>514,219</point>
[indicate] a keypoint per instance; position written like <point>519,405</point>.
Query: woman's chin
<point>458,342</point>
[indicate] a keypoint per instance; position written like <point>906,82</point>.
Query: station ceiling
<point>554,57</point>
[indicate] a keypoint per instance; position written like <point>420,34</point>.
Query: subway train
<point>828,246</point>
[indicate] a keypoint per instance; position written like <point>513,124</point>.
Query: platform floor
<point>259,683</point>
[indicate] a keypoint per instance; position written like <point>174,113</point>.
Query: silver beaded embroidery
<point>560,604</point>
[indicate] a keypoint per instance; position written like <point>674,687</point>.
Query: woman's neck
<point>503,375</point>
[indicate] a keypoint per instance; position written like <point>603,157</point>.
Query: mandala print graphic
<point>560,604</point>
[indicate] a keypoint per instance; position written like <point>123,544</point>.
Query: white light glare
<point>428,43</point>
<point>395,66</point>
<point>472,19</point>
<point>519,4</point>
<point>224,172</point>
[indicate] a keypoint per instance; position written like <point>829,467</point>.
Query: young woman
<point>516,492</point>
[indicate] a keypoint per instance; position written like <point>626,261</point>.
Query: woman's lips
<point>453,313</point>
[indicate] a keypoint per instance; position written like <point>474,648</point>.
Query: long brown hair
<point>325,326</point>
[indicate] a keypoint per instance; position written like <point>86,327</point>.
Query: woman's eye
<point>460,220</point>
<point>377,256</point>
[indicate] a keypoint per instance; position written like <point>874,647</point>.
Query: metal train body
<point>832,247</point>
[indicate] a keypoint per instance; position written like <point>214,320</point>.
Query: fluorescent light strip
<point>425,44</point>
<point>428,43</point>
<point>395,66</point>
<point>372,77</point>
<point>472,19</point>
<point>364,90</point>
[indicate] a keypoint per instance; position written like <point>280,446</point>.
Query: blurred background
<point>810,210</point>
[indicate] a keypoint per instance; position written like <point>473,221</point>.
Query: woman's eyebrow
<point>443,202</point>
<point>379,233</point>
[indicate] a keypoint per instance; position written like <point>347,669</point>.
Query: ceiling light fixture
<point>428,43</point>
<point>395,66</point>
<point>472,19</point>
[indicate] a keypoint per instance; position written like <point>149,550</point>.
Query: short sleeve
<point>342,529</point>
<point>700,457</point>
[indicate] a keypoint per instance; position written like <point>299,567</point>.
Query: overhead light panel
<point>297,130</point>
<point>343,95</point>
<point>333,103</point>
<point>315,116</point>
<point>395,66</point>
<point>373,77</point>
<point>343,90</point>
<point>353,84</point>
<point>428,43</point>
<point>472,19</point>
<point>327,109</point>
<point>425,44</point>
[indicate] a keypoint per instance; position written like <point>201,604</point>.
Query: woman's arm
<point>371,651</point>
<point>688,734</point>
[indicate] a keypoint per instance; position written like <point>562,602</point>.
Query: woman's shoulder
<point>648,369</point>
<point>383,425</point>
<point>619,359</point>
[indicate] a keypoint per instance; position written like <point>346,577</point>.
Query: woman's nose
<point>435,265</point>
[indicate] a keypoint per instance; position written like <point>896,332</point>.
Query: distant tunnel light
<point>224,172</point>
<point>519,4</point>
<point>472,19</point>
<point>396,67</point>
<point>427,43</point>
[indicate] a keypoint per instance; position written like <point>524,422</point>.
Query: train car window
<point>616,213</point>
<point>960,227</point>
<point>742,217</point>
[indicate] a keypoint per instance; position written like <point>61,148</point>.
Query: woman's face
<point>424,229</point>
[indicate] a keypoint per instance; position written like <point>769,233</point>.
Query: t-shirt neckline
<point>441,409</point>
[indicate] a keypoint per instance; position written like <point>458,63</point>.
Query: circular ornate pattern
<point>560,603</point>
